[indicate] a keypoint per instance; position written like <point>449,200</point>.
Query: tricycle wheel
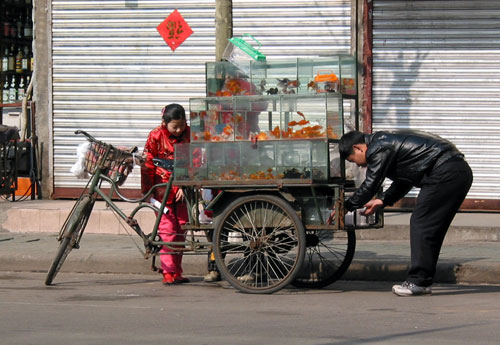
<point>259,243</point>
<point>328,255</point>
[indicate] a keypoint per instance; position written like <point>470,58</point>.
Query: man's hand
<point>331,217</point>
<point>372,206</point>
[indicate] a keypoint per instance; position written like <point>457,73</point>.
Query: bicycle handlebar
<point>94,140</point>
<point>91,138</point>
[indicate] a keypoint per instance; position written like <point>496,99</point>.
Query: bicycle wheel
<point>328,255</point>
<point>259,243</point>
<point>71,233</point>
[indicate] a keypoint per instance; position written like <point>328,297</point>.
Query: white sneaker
<point>211,277</point>
<point>410,289</point>
<point>247,278</point>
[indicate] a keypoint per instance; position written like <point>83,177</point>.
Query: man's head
<point>352,147</point>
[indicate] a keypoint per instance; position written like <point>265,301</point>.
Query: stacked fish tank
<point>271,121</point>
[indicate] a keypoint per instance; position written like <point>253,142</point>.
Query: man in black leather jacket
<point>411,159</point>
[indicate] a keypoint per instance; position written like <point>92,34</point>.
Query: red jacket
<point>160,144</point>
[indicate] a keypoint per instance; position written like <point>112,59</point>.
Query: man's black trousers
<point>442,192</point>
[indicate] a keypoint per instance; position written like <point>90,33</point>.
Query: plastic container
<point>326,81</point>
<point>241,53</point>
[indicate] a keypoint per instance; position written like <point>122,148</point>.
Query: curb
<point>373,261</point>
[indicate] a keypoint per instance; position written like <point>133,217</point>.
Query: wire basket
<point>117,164</point>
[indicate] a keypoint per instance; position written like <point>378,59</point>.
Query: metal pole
<point>223,25</point>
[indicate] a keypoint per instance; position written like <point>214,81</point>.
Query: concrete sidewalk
<point>471,253</point>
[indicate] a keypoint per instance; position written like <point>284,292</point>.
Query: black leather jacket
<point>404,157</point>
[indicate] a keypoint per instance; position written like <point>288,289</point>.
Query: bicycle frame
<point>151,242</point>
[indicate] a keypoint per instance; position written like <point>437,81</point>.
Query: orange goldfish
<point>287,133</point>
<point>233,86</point>
<point>276,132</point>
<point>262,136</point>
<point>228,130</point>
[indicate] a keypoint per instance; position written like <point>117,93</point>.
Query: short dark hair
<point>348,140</point>
<point>173,111</point>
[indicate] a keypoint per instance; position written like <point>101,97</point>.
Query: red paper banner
<point>174,30</point>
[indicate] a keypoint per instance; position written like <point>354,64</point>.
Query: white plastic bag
<point>78,169</point>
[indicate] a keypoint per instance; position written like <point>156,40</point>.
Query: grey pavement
<point>470,255</point>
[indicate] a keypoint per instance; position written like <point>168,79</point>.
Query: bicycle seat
<point>167,164</point>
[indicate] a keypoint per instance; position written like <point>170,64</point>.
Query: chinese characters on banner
<point>174,30</point>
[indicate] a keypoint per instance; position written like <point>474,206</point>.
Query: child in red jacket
<point>160,144</point>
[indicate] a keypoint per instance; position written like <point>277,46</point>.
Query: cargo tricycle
<point>262,178</point>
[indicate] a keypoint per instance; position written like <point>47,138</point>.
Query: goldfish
<point>228,130</point>
<point>312,84</point>
<point>287,133</point>
<point>262,136</point>
<point>301,114</point>
<point>302,122</point>
<point>276,132</point>
<point>233,86</point>
<point>207,136</point>
<point>238,118</point>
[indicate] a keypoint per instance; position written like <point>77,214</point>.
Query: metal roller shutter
<point>113,73</point>
<point>296,28</point>
<point>436,67</point>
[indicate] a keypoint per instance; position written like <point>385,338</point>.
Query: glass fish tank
<point>274,117</point>
<point>247,162</point>
<point>336,74</point>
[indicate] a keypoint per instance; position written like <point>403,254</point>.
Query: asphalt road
<point>136,309</point>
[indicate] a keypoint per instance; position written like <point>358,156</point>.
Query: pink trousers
<point>170,231</point>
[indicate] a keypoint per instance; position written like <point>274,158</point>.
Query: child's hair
<point>173,111</point>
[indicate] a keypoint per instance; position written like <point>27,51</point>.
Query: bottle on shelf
<point>5,90</point>
<point>13,28</point>
<point>13,90</point>
<point>28,25</point>
<point>31,61</point>
<point>21,89</point>
<point>6,24</point>
<point>25,59</point>
<point>19,61</point>
<point>20,26</point>
<point>11,60</point>
<point>5,60</point>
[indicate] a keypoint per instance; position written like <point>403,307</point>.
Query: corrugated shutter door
<point>291,28</point>
<point>436,67</point>
<point>113,73</point>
